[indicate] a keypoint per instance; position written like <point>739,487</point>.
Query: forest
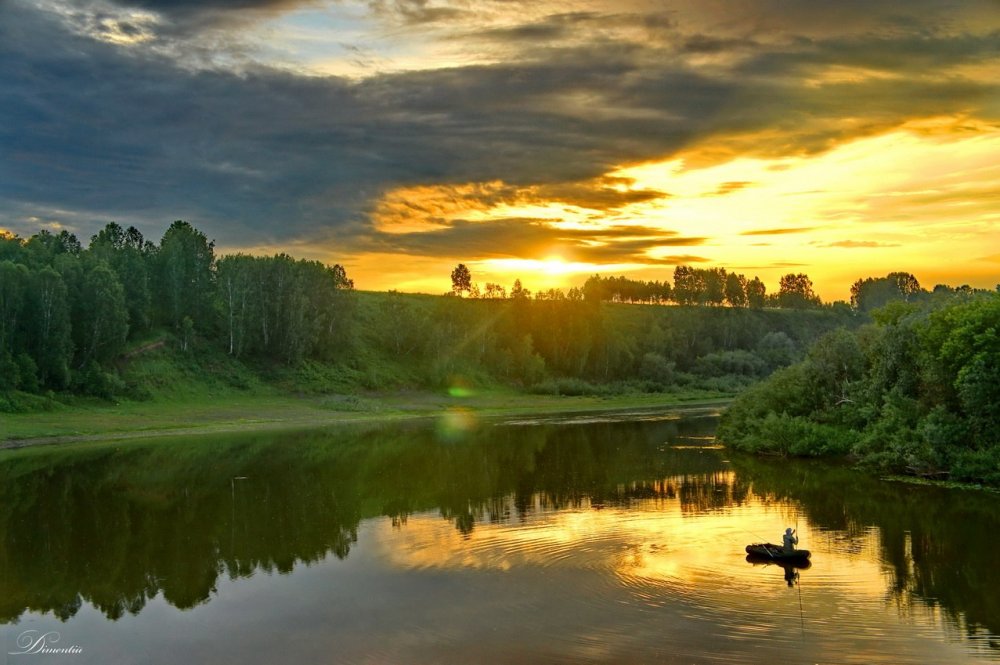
<point>79,321</point>
<point>916,391</point>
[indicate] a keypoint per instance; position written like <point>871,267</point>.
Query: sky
<point>546,140</point>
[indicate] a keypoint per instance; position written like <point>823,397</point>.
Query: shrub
<point>93,380</point>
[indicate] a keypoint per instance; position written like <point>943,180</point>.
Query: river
<point>576,539</point>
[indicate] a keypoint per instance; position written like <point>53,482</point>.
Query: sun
<point>554,265</point>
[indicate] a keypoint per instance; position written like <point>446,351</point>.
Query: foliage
<point>919,392</point>
<point>67,313</point>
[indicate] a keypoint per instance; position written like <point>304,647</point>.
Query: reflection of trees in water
<point>116,527</point>
<point>939,545</point>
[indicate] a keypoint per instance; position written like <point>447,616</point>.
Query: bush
<point>9,372</point>
<point>776,349</point>
<point>93,380</point>
<point>730,363</point>
<point>27,373</point>
<point>657,369</point>
<point>980,466</point>
<point>729,383</point>
<point>791,435</point>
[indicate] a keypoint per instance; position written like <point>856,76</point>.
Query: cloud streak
<point>529,238</point>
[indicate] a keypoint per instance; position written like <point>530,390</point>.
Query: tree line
<point>691,286</point>
<point>67,312</point>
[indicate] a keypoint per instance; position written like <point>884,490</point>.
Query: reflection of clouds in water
<point>653,554</point>
<point>654,540</point>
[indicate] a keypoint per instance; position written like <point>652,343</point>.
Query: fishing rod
<point>802,620</point>
<point>763,541</point>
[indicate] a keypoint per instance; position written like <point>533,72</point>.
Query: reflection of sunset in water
<point>684,546</point>
<point>657,540</point>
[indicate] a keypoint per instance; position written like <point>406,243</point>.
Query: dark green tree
<point>128,255</point>
<point>713,286</point>
<point>51,342</point>
<point>184,277</point>
<point>103,321</point>
<point>14,285</point>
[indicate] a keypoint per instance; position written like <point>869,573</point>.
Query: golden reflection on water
<point>659,551</point>
<point>660,539</point>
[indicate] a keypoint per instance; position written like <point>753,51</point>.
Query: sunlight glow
<point>550,267</point>
<point>875,205</point>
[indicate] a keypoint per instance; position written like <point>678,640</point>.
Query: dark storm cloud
<point>416,12</point>
<point>85,127</point>
<point>275,155</point>
<point>706,44</point>
<point>90,131</point>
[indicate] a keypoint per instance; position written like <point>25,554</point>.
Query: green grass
<point>230,413</point>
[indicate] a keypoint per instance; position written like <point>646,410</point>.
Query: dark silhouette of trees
<point>795,291</point>
<point>874,292</point>
<point>736,290</point>
<point>756,293</point>
<point>461,279</point>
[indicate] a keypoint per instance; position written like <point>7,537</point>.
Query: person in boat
<point>789,540</point>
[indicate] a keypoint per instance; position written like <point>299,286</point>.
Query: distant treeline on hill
<point>717,287</point>
<point>705,286</point>
<point>75,319</point>
<point>692,286</point>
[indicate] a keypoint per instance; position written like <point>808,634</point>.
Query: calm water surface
<point>598,539</point>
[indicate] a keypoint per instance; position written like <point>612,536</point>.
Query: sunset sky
<point>546,140</point>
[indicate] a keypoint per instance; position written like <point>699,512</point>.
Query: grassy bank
<point>234,413</point>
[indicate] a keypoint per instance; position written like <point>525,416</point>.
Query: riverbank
<point>128,420</point>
